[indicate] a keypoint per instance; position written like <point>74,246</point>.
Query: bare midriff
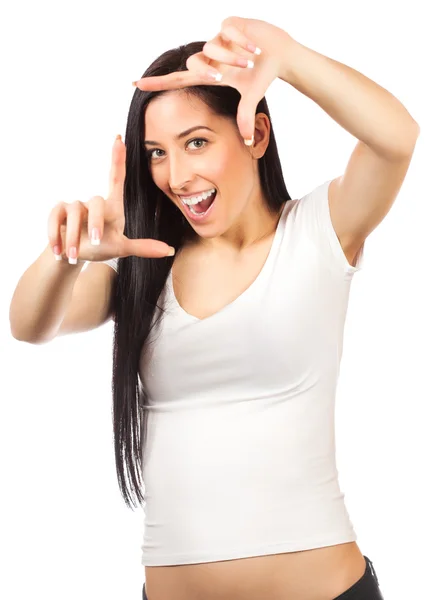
<point>318,574</point>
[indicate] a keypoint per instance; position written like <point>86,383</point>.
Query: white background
<point>67,69</point>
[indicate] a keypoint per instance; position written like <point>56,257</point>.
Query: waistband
<point>371,567</point>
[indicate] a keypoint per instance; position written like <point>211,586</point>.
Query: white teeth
<point>196,199</point>
<point>196,213</point>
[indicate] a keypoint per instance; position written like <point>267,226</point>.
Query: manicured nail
<point>245,62</point>
<point>72,258</point>
<point>253,48</point>
<point>249,142</point>
<point>118,138</point>
<point>242,62</point>
<point>215,75</point>
<point>95,237</point>
<point>172,251</point>
<point>56,252</point>
<point>135,83</point>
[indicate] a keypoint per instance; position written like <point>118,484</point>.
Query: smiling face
<point>213,156</point>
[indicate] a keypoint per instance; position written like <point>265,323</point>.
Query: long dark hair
<point>149,213</point>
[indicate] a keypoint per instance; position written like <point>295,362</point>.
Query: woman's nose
<point>180,173</point>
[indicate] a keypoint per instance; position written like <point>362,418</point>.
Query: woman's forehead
<point>176,102</point>
<point>171,116</point>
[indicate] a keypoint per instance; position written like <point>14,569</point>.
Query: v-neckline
<point>276,238</point>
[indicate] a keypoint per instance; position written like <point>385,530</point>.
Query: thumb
<point>147,248</point>
<point>246,118</point>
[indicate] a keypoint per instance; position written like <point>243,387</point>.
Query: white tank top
<point>239,459</point>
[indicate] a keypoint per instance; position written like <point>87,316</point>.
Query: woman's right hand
<point>71,226</point>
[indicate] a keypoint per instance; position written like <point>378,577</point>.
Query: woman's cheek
<point>212,169</point>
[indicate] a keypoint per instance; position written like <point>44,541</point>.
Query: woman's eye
<point>150,153</point>
<point>198,140</point>
<point>203,141</point>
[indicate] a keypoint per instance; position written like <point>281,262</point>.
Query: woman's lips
<point>202,217</point>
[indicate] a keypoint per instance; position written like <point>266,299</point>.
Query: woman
<point>237,338</point>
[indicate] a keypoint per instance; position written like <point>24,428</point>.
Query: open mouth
<point>201,209</point>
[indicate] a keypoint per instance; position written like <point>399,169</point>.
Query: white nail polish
<point>95,237</point>
<point>249,142</point>
<point>218,77</point>
<point>250,64</point>
<point>57,256</point>
<point>257,51</point>
<point>72,261</point>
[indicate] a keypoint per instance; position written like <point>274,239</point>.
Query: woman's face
<point>188,164</point>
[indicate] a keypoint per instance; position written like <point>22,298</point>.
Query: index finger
<point>117,172</point>
<point>172,81</point>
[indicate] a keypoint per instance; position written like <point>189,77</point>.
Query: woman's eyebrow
<point>182,134</point>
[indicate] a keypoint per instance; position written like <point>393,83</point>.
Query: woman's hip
<point>366,588</point>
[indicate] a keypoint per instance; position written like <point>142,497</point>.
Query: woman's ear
<point>261,135</point>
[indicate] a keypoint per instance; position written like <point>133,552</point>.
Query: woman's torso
<point>317,574</point>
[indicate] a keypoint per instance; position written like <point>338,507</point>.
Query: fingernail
<point>250,64</point>
<point>134,83</point>
<point>172,251</point>
<point>215,75</point>
<point>249,142</point>
<point>95,237</point>
<point>253,48</point>
<point>72,258</point>
<point>118,138</point>
<point>56,252</point>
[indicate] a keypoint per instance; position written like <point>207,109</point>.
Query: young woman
<point>229,300</point>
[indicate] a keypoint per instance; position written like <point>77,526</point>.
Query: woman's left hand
<point>237,39</point>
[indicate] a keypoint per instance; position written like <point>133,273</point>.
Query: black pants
<point>366,588</point>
